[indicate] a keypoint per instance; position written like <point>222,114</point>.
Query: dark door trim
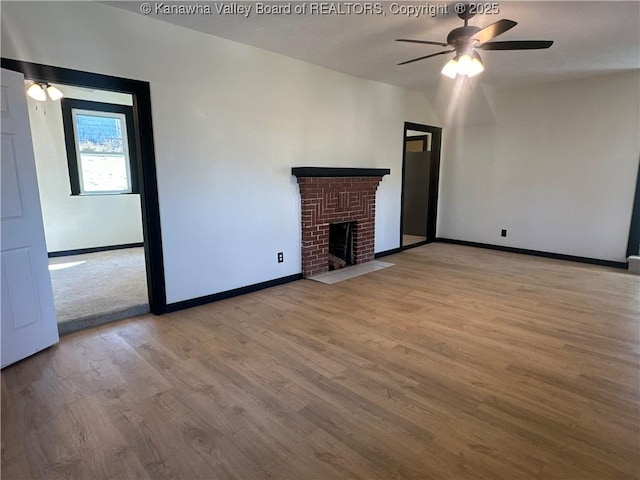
<point>634,229</point>
<point>434,176</point>
<point>148,185</point>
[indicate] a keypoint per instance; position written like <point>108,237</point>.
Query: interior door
<point>28,315</point>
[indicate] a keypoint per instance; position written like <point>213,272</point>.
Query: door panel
<point>19,292</point>
<point>11,201</point>
<point>28,314</point>
<point>416,193</point>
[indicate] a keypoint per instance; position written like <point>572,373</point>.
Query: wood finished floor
<point>456,363</point>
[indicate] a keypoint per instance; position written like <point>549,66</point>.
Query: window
<point>101,147</point>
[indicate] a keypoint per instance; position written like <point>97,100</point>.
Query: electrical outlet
<point>280,257</point>
<point>503,233</point>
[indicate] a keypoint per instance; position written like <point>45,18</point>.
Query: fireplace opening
<point>341,245</point>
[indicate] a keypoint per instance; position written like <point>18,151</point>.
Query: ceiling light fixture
<point>464,65</point>
<point>40,90</point>
<point>54,93</point>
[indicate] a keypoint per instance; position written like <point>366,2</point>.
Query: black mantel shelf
<point>339,172</point>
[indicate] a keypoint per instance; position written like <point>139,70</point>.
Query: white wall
<point>557,170</point>
<point>229,123</point>
<point>77,222</point>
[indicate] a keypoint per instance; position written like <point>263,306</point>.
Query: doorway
<point>420,175</point>
<point>146,182</point>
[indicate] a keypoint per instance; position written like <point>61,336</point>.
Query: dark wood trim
<point>339,172</point>
<point>401,249</point>
<point>434,183</point>
<point>414,245</point>
<point>216,297</point>
<point>82,251</point>
<point>403,175</point>
<point>633,245</point>
<point>535,253</point>
<point>68,104</point>
<point>148,185</point>
<point>386,253</point>
<point>151,207</point>
<point>68,76</point>
<point>434,179</point>
<point>70,146</point>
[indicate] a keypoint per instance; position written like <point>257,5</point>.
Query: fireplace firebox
<point>341,245</point>
<point>337,196</point>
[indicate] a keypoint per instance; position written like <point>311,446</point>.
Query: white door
<point>28,314</point>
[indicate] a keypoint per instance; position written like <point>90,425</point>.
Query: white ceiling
<point>590,38</point>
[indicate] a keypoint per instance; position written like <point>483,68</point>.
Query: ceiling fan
<point>467,40</point>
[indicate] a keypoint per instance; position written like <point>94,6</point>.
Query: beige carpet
<point>96,288</point>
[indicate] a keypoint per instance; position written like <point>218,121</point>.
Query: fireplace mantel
<point>339,172</point>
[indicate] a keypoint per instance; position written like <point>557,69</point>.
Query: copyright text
<point>249,8</point>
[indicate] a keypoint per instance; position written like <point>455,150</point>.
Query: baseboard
<point>194,302</point>
<point>536,253</point>
<point>401,249</point>
<point>386,253</point>
<point>80,251</point>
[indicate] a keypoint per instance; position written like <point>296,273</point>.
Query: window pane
<point>99,134</point>
<point>102,173</point>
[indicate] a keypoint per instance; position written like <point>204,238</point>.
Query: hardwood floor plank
<point>456,363</point>
<point>15,463</point>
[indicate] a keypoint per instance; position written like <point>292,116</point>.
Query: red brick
<point>333,200</point>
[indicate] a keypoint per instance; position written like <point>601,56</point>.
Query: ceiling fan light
<point>451,68</point>
<point>36,92</point>
<point>464,64</point>
<point>54,93</point>
<point>476,67</point>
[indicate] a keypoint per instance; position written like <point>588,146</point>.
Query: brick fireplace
<point>336,195</point>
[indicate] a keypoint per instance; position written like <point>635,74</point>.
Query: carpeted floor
<point>96,288</point>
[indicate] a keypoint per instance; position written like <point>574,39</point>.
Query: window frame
<point>69,105</point>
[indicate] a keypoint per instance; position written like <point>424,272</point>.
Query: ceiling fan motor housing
<point>460,37</point>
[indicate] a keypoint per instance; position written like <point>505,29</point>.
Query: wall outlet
<point>280,257</point>
<point>503,233</point>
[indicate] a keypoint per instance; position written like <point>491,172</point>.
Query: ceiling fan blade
<point>424,42</point>
<point>493,30</point>
<point>428,56</point>
<point>517,45</point>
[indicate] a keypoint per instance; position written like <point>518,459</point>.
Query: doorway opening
<point>85,148</point>
<point>142,253</point>
<point>420,175</point>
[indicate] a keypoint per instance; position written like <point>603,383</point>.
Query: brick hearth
<point>335,195</point>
